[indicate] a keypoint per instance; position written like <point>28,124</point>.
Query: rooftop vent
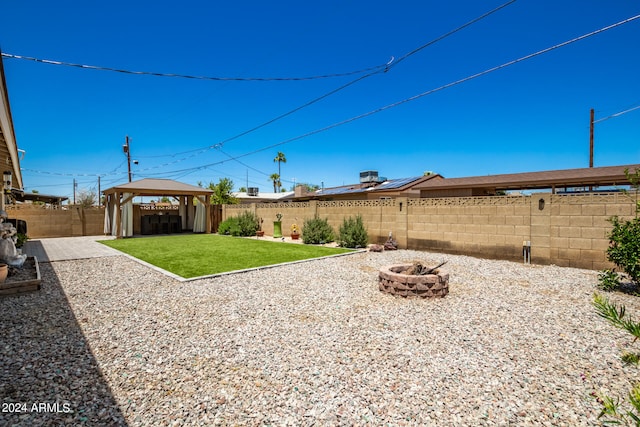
<point>252,191</point>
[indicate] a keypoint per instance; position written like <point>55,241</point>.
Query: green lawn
<point>193,255</point>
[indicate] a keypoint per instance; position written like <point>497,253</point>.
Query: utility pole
<point>75,185</point>
<point>591,139</point>
<point>125,148</point>
<point>99,198</point>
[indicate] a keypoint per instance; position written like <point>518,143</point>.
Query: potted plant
<point>260,231</point>
<point>295,231</point>
<point>277,226</point>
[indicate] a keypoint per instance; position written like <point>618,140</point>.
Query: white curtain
<point>200,218</point>
<point>114,229</point>
<point>107,220</point>
<point>127,216</point>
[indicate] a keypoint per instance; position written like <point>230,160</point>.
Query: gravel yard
<point>108,341</point>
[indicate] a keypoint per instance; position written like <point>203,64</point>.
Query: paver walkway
<point>68,248</point>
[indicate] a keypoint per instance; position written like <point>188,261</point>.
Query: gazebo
<point>119,204</point>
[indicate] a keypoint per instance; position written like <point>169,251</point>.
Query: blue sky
<point>533,115</point>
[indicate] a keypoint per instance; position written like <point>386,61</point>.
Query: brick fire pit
<point>411,285</point>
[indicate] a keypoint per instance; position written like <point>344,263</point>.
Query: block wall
<point>579,227</point>
<point>566,230</point>
<point>492,227</point>
<point>67,222</point>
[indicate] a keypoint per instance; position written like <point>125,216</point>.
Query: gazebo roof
<point>158,187</point>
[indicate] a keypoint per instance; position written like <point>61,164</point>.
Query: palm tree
<point>276,181</point>
<point>280,158</point>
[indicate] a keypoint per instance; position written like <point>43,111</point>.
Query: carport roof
<point>158,187</point>
<point>597,176</point>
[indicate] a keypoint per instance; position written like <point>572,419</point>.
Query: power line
<point>388,66</point>
<point>429,92</point>
<point>473,21</point>
<point>617,114</point>
<point>371,71</point>
<point>187,76</point>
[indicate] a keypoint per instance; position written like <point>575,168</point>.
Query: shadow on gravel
<point>48,374</point>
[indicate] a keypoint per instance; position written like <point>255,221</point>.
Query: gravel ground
<point>108,341</point>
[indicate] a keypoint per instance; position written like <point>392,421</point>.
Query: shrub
<point>624,246</point>
<point>316,230</point>
<point>245,224</point>
<point>608,280</point>
<point>229,226</point>
<point>249,223</point>
<point>352,233</point>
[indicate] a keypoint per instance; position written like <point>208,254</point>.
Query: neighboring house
<point>9,154</point>
<point>564,180</point>
<point>370,187</point>
<point>255,196</point>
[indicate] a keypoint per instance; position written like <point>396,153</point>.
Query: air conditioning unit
<point>368,176</point>
<point>252,191</point>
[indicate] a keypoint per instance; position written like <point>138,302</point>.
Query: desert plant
<point>624,246</point>
<point>245,224</point>
<point>248,223</point>
<point>611,408</point>
<point>229,226</point>
<point>608,280</point>
<point>352,233</point>
<point>20,239</point>
<point>317,231</point>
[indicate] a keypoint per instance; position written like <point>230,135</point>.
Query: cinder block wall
<point>566,230</point>
<point>492,227</point>
<point>67,222</point>
<point>579,226</point>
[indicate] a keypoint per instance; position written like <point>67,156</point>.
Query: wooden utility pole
<point>125,148</point>
<point>591,139</point>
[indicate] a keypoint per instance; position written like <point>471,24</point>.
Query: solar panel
<point>397,183</point>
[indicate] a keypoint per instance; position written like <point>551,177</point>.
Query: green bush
<point>249,223</point>
<point>608,280</point>
<point>624,246</point>
<point>245,224</point>
<point>229,226</point>
<point>316,230</point>
<point>352,233</point>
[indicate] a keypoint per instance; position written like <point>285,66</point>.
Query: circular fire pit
<point>393,280</point>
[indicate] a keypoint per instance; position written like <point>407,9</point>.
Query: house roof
<point>158,187</point>
<point>390,185</point>
<point>597,176</point>
<point>38,197</point>
<point>244,196</point>
<point>8,146</point>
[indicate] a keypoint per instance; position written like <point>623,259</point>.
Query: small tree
<point>87,198</point>
<point>275,178</point>
<point>222,192</point>
<point>280,158</point>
